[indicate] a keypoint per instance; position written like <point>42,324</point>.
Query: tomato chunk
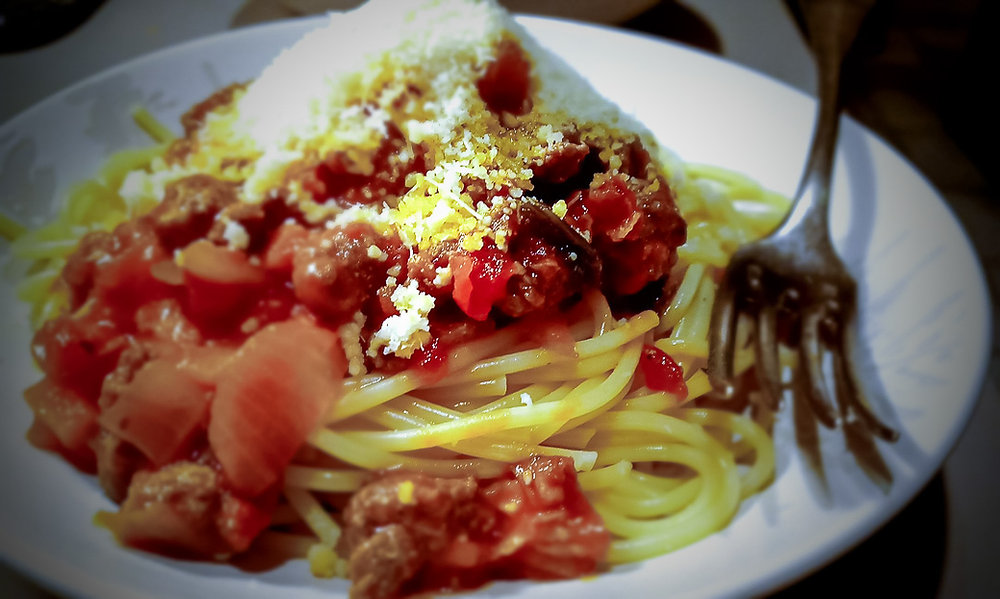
<point>221,282</point>
<point>281,251</point>
<point>480,280</point>
<point>78,350</point>
<point>506,85</point>
<point>269,397</point>
<point>607,209</point>
<point>126,281</point>
<point>65,422</point>
<point>158,410</point>
<point>661,372</point>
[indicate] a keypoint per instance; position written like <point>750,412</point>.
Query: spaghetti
<point>467,381</point>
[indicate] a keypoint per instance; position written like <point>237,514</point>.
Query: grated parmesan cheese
<point>406,332</point>
<point>411,87</point>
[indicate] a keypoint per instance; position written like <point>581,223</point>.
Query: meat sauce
<point>409,532</point>
<point>164,377</point>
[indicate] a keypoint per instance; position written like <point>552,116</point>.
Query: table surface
<point>945,543</point>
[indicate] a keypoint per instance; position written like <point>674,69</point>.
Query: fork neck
<point>830,27</point>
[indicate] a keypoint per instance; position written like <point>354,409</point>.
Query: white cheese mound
<point>339,86</point>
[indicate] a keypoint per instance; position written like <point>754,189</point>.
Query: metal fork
<point>792,284</point>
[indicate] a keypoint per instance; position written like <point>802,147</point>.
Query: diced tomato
<point>69,419</point>
<point>431,361</point>
<point>158,410</point>
<point>607,209</point>
<point>661,372</point>
<point>221,283</point>
<point>335,272</point>
<point>239,521</point>
<point>126,281</point>
<point>506,85</point>
<point>165,320</point>
<point>563,537</point>
<point>77,350</point>
<point>270,397</point>
<point>208,262</point>
<point>43,438</point>
<point>480,279</point>
<point>287,239</point>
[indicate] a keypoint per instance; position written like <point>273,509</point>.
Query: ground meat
<point>554,262</point>
<point>426,268</point>
<point>382,562</point>
<point>78,274</point>
<point>117,462</point>
<point>336,271</point>
<point>381,177</point>
<point>188,209</point>
<point>390,531</point>
<point>545,280</point>
<point>561,162</point>
<point>172,510</point>
<point>194,118</point>
<point>408,533</point>
<point>635,228</point>
<point>259,221</point>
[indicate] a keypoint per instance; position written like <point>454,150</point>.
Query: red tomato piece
<point>506,85</point>
<point>158,410</point>
<point>165,320</point>
<point>126,281</point>
<point>239,521</point>
<point>208,262</point>
<point>78,350</point>
<point>661,372</point>
<point>270,397</point>
<point>280,253</point>
<point>480,279</point>
<point>68,418</point>
<point>431,361</point>
<point>221,283</point>
<point>608,209</point>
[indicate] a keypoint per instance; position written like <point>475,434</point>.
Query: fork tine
<point>850,396</point>
<point>766,363</point>
<point>857,431</point>
<point>811,360</point>
<point>807,433</point>
<point>862,446</point>
<point>722,341</point>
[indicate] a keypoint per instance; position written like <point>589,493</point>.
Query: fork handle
<point>830,28</point>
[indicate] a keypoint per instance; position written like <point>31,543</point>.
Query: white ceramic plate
<point>924,317</point>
